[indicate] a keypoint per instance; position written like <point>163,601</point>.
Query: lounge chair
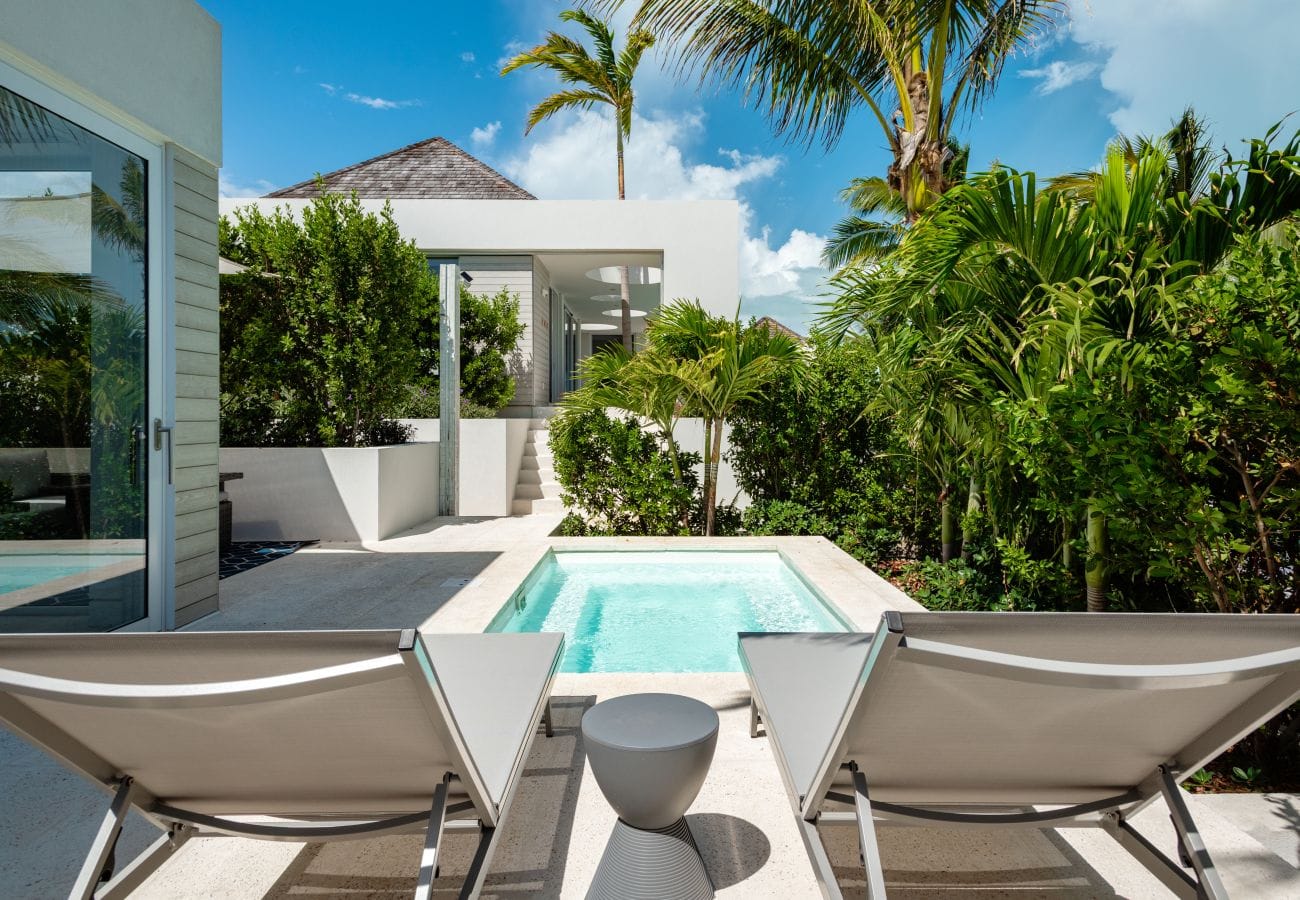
<point>1046,720</point>
<point>297,736</point>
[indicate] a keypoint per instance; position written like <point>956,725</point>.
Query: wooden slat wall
<point>541,334</point>
<point>197,361</point>
<point>515,273</point>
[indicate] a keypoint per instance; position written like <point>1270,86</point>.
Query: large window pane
<point>73,350</point>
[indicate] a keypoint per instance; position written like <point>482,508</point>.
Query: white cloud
<point>485,137</point>
<point>330,89</point>
<point>230,184</point>
<point>467,57</point>
<point>510,51</point>
<point>1235,61</point>
<point>380,102</point>
<point>575,160</point>
<point>1058,75</point>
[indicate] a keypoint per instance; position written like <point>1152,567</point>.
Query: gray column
<point>448,389</point>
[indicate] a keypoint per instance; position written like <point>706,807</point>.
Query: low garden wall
<point>491,451</point>
<point>331,494</point>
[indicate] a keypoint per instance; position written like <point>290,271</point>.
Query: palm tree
<point>717,365</point>
<point>912,64</point>
<point>1007,292</point>
<point>603,78</point>
<point>616,379</point>
<point>879,216</point>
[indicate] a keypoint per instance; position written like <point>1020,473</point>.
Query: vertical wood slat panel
<point>194,262</point>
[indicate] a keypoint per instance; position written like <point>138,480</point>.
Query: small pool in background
<point>662,611</point>
<point>29,570</point>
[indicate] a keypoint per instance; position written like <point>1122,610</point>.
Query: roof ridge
<point>436,140</point>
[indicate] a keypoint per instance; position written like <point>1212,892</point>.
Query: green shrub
<point>318,346</point>
<point>813,462</point>
<point>618,478</point>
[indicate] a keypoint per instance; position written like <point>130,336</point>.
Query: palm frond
<point>562,100</point>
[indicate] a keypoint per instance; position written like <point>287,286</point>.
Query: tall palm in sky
<point>603,76</point>
<point>913,65</point>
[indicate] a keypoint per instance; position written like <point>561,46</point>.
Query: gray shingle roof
<point>434,169</point>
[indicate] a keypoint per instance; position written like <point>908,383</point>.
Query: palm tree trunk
<point>1095,573</point>
<point>625,289</point>
<point>948,525</point>
<point>711,477</point>
<point>973,503</point>
<point>1067,543</point>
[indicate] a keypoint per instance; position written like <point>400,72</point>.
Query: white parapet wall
<point>491,451</point>
<point>331,494</point>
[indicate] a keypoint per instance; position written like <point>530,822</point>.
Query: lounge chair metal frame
<point>97,878</point>
<point>1112,814</point>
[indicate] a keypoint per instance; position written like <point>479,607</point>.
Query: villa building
<point>561,257</point>
<point>110,141</point>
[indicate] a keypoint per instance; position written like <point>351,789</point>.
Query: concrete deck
<point>558,827</point>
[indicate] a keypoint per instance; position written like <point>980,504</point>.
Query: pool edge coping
<point>853,592</point>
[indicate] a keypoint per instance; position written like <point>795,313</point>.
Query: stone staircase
<point>537,490</point>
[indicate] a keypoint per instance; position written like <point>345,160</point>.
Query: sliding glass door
<point>74,375</point>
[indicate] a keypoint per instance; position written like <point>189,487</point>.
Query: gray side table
<point>650,754</point>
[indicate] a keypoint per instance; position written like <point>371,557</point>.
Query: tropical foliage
<point>620,479</point>
<point>1103,367</point>
<point>913,65</point>
<point>332,333</point>
<point>601,77</point>
<point>695,365</point>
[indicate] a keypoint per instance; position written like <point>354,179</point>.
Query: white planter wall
<point>690,437</point>
<point>491,451</point>
<point>331,494</point>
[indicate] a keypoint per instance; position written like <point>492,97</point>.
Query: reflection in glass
<point>73,293</point>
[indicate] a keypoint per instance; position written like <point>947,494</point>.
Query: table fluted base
<point>663,864</point>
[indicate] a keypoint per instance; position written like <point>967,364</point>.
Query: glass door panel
<point>73,375</point>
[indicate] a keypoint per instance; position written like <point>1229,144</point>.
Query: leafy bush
<point>619,479</point>
<point>814,462</point>
<point>317,343</point>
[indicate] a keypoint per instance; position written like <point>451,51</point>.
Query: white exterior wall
<point>491,451</point>
<point>496,242</point>
<point>152,65</point>
<point>331,494</point>
<point>699,239</point>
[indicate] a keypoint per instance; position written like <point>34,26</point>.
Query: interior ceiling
<point>569,277</point>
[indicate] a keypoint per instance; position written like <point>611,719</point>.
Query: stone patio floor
<point>559,824</point>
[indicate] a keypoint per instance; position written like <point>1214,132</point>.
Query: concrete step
<point>537,476</point>
<point>545,490</point>
<point>547,505</point>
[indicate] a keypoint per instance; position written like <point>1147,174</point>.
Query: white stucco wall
<point>491,451</point>
<point>331,494</point>
<point>699,239</point>
<point>156,65</point>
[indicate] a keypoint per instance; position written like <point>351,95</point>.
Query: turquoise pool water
<point>662,611</point>
<point>29,570</point>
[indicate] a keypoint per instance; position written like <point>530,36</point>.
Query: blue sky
<point>315,86</point>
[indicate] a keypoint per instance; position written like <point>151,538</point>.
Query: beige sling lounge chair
<point>297,736</point>
<point>1040,720</point>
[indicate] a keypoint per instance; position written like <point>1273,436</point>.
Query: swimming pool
<point>20,571</point>
<point>662,611</point>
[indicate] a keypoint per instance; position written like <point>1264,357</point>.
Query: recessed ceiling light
<point>635,274</point>
<point>618,313</point>
<point>598,326</point>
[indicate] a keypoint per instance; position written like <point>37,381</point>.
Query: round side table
<point>650,754</point>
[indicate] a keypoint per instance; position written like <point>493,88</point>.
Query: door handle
<point>159,429</point>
